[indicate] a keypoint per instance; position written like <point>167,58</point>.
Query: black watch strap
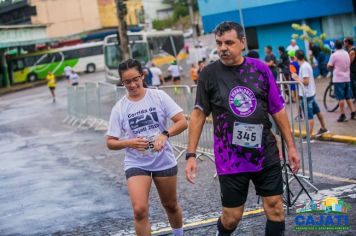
<point>189,155</point>
<point>166,133</point>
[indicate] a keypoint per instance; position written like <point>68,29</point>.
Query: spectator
<point>271,61</point>
<point>349,45</point>
<point>253,54</point>
<point>306,77</point>
<point>74,78</point>
<point>194,73</point>
<point>339,62</point>
<point>175,71</point>
<point>292,46</point>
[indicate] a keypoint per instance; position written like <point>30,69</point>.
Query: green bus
<point>86,57</point>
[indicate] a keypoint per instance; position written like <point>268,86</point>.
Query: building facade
<point>269,22</point>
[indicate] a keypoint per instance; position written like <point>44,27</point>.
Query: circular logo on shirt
<point>242,101</point>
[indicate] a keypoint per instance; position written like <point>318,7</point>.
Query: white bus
<point>156,46</point>
<point>86,57</point>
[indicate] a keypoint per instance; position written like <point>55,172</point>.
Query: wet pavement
<point>56,179</point>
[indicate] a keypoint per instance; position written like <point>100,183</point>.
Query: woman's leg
<point>167,190</point>
<point>139,188</point>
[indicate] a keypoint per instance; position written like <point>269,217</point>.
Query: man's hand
<point>294,160</point>
<point>191,169</point>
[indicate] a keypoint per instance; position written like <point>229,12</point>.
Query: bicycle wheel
<point>330,102</point>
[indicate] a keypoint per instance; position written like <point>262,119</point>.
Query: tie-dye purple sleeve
<point>275,100</point>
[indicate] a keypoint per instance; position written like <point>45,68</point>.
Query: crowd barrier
<point>89,106</point>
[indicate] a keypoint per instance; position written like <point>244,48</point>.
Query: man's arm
<point>282,122</point>
<point>352,55</point>
<point>196,123</point>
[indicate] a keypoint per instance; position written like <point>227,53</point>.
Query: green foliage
<point>311,36</point>
<point>162,24</point>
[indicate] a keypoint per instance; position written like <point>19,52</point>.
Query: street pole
<point>123,41</point>
<point>192,21</point>
<point>242,23</point>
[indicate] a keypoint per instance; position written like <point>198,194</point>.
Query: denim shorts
<point>161,173</point>
<point>343,91</point>
<point>312,107</point>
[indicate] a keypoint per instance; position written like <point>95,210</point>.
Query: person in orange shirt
<point>194,73</point>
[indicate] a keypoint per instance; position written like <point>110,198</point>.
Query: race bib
<point>151,142</point>
<point>247,135</point>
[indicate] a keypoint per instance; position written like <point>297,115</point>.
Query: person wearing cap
<point>292,46</point>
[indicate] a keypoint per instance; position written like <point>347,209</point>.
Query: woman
<point>138,123</point>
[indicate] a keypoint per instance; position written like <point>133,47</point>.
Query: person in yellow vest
<point>51,83</point>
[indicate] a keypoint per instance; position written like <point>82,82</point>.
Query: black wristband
<point>189,155</point>
<point>166,133</point>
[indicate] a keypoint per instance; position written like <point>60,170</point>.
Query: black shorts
<point>176,78</point>
<point>162,173</point>
<point>52,88</point>
<point>234,187</point>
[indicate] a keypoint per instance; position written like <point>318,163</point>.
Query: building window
<point>339,26</point>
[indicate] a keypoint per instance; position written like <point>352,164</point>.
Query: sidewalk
<point>19,87</point>
<point>339,132</point>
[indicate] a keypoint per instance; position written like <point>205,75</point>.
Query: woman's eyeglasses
<point>129,81</point>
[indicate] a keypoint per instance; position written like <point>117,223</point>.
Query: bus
<point>86,57</point>
<point>156,46</point>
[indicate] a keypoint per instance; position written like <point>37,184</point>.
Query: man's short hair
<point>269,47</point>
<point>226,26</point>
<point>299,54</point>
<point>349,40</point>
<point>338,44</point>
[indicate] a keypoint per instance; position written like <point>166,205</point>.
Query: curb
<point>21,87</point>
<point>330,137</point>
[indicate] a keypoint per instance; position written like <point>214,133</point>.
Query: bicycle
<point>329,100</point>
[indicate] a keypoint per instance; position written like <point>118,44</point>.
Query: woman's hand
<point>160,142</point>
<point>139,143</point>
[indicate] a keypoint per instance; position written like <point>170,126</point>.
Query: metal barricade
<point>79,105</point>
<point>182,96</point>
<point>93,103</point>
<point>107,99</point>
<point>70,106</point>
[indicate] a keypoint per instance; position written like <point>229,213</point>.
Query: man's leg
<point>167,190</point>
<point>139,188</point>
<point>229,220</point>
<point>234,189</point>
<point>273,206</point>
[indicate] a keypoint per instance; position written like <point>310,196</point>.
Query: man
<point>240,92</point>
<point>157,77</point>
<point>306,77</point>
<point>340,63</point>
<point>271,61</point>
<point>349,45</point>
<point>175,70</point>
<point>292,46</point>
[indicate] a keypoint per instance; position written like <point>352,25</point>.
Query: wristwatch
<point>189,155</point>
<point>166,133</point>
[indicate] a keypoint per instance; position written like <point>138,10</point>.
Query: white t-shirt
<point>175,70</point>
<point>156,73</point>
<point>145,118</point>
<point>340,59</point>
<point>306,70</point>
<point>67,70</point>
<point>292,48</point>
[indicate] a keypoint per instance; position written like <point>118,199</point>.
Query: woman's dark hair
<point>299,54</point>
<point>131,64</point>
<point>281,48</point>
<point>226,26</point>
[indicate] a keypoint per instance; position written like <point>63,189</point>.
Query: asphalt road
<point>57,179</point>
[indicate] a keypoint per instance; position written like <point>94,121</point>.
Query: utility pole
<point>192,21</point>
<point>242,23</point>
<point>123,41</point>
